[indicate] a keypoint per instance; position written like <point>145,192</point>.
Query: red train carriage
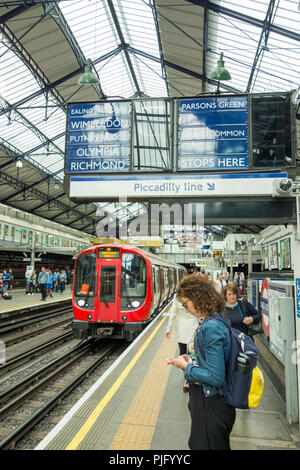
<point>117,289</point>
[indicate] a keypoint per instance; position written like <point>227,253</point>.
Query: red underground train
<point>118,289</point>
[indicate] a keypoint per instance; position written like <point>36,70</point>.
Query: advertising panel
<point>273,256</point>
<point>213,133</point>
<point>285,254</point>
<point>98,137</point>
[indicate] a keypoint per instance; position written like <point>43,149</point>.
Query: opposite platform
<point>138,404</point>
<point>21,300</point>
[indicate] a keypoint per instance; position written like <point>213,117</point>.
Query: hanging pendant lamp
<point>220,73</point>
<point>88,78</point>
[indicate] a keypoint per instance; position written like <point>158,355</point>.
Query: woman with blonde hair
<point>182,325</point>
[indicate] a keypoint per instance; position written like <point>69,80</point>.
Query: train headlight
<point>89,317</point>
<point>124,317</point>
<point>81,303</point>
<point>135,303</point>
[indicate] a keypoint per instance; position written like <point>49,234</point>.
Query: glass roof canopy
<point>260,41</point>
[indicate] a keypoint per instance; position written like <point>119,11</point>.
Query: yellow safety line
<point>138,426</point>
<point>105,400</point>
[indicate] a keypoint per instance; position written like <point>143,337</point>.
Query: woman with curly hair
<point>212,417</point>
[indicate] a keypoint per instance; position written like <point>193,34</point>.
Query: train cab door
<point>109,278</point>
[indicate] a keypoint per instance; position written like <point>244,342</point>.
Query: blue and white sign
<point>98,137</point>
<point>173,185</point>
<point>213,133</point>
<point>298,296</point>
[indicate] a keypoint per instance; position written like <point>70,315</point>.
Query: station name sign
<point>213,133</point>
<point>98,137</point>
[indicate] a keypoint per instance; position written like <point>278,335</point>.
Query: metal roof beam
<point>205,47</point>
<point>183,70</point>
<point>246,18</point>
<point>59,18</point>
<point>262,43</point>
<point>124,44</point>
<point>13,13</point>
<point>31,186</point>
<point>58,82</point>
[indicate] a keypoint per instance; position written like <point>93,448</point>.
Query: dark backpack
<point>6,297</point>
<point>237,384</point>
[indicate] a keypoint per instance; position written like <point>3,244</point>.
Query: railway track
<point>29,401</point>
<point>20,327</point>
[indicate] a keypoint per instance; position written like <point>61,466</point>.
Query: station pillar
<point>295,354</point>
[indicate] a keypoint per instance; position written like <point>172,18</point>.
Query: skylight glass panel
<point>97,34</point>
<point>253,8</point>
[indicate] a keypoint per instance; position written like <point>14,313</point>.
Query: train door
<point>108,281</point>
<point>162,285</point>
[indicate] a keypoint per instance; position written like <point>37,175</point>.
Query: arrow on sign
<point>211,186</point>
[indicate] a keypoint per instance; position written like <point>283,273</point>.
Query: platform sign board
<point>297,280</point>
<point>98,187</point>
<point>98,137</point>
<point>213,133</point>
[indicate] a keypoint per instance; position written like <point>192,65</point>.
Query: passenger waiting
<point>183,325</point>
<point>43,280</point>
<point>240,312</point>
<point>212,418</point>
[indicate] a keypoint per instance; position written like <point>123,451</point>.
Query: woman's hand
<point>180,362</point>
<point>168,335</point>
<point>248,320</point>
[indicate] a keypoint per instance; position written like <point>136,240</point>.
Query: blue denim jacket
<point>210,372</point>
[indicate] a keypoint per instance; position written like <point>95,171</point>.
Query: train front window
<point>108,284</point>
<point>84,281</point>
<point>133,284</point>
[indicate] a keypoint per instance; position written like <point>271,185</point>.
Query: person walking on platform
<point>240,312</point>
<point>43,280</point>
<point>212,418</point>
<point>182,325</point>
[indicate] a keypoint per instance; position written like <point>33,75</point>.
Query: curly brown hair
<point>202,293</point>
<point>232,287</point>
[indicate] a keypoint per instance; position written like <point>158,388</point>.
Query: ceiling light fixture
<point>89,77</point>
<point>220,73</point>
<point>19,163</point>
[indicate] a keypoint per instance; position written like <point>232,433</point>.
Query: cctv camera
<point>282,187</point>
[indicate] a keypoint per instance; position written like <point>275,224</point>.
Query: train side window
<point>84,280</point>
<point>133,285</point>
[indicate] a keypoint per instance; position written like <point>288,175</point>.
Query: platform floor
<point>138,404</point>
<point>21,300</point>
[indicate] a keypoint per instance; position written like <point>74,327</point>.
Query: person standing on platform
<point>34,282</point>
<point>212,418</point>
<point>49,286</point>
<point>29,285</point>
<point>11,281</point>
<point>240,312</point>
<point>43,280</point>
<point>6,279</point>
<point>182,325</point>
<point>62,280</point>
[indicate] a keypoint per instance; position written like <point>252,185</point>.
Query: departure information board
<point>98,137</point>
<point>213,133</point>
<point>108,252</point>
